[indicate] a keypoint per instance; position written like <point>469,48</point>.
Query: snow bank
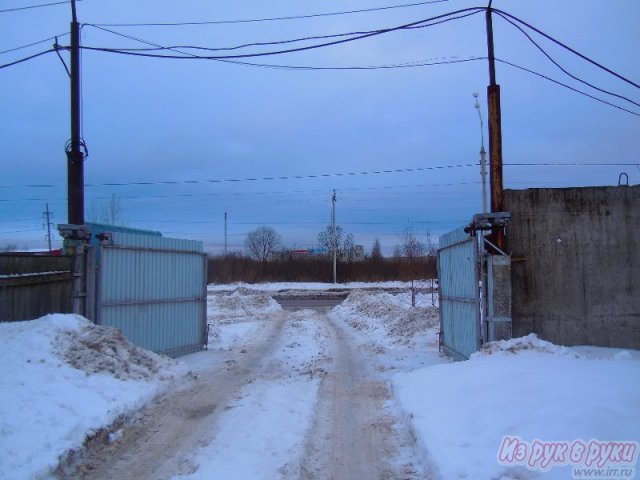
<point>524,387</point>
<point>277,286</point>
<point>63,378</point>
<point>389,318</point>
<point>236,317</point>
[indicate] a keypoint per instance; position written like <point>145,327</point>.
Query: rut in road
<point>353,436</point>
<point>350,434</point>
<point>156,446</point>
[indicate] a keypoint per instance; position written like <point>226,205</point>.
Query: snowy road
<point>295,397</point>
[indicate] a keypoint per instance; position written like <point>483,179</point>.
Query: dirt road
<point>309,402</point>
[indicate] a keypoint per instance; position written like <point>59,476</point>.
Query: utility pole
<point>495,132</point>
<point>225,234</point>
<point>47,218</point>
<point>334,242</point>
<point>483,157</point>
<point>75,155</point>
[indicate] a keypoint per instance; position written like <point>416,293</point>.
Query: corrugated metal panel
<point>459,307</point>
<point>154,290</point>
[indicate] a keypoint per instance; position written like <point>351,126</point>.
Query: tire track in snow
<point>154,447</point>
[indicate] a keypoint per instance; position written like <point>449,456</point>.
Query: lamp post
<point>483,157</point>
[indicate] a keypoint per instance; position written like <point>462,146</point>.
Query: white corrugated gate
<point>458,264</point>
<point>154,289</point>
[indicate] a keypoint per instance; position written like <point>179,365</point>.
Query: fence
<point>460,329</point>
<point>153,289</point>
<point>34,285</point>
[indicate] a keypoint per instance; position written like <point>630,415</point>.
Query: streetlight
<point>483,157</point>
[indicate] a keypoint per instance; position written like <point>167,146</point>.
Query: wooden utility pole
<point>75,154</point>
<point>495,133</point>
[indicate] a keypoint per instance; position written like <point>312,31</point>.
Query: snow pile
<point>521,344</point>
<point>236,317</point>
<point>99,349</point>
<point>388,317</point>
<point>59,386</point>
<point>241,303</point>
<point>279,286</point>
<point>524,388</point>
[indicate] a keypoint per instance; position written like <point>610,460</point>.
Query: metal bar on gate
<point>148,249</point>
<point>147,302</point>
<point>458,299</point>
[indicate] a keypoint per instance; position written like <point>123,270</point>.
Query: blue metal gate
<point>458,265</point>
<point>154,289</point>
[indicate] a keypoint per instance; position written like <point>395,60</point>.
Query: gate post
<point>499,297</point>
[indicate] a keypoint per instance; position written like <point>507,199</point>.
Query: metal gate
<point>154,289</point>
<point>458,265</point>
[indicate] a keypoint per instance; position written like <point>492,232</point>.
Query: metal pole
<point>47,214</point>
<point>495,133</point>
<point>483,157</point>
<point>225,234</point>
<point>75,155</point>
<point>334,242</point>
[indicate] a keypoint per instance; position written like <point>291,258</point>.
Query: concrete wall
<point>576,264</point>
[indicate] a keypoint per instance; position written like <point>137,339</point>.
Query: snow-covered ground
<point>528,389</point>
<point>278,286</point>
<point>62,379</point>
<point>356,391</point>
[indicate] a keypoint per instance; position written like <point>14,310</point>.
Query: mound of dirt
<point>99,349</point>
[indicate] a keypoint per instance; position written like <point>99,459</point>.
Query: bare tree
<point>109,212</point>
<point>327,239</point>
<point>412,248</point>
<point>342,243</point>
<point>262,243</point>
<point>376,250</point>
<point>348,248</point>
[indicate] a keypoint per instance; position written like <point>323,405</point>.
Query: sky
<point>186,120</point>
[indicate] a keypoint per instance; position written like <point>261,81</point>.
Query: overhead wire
<point>254,179</point>
<point>44,40</point>
<point>29,7</point>
<point>275,42</point>
<point>552,60</point>
<point>557,82</point>
<point>566,47</point>
<point>270,19</point>
<point>287,50</point>
<point>25,59</point>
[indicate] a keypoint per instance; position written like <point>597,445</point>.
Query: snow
<point>523,387</point>
<point>62,379</point>
<point>388,319</point>
<point>278,286</point>
<point>262,434</point>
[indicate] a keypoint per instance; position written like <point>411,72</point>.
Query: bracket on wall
<point>488,221</point>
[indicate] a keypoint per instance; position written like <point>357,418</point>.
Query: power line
<point>255,179</point>
<point>48,39</point>
<point>271,19</point>
<point>418,63</point>
<point>552,60</point>
<point>29,7</point>
<point>25,59</point>
<point>567,86</point>
<point>288,50</point>
<point>266,43</point>
<point>566,47</point>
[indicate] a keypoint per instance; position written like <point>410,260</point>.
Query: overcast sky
<point>153,120</point>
